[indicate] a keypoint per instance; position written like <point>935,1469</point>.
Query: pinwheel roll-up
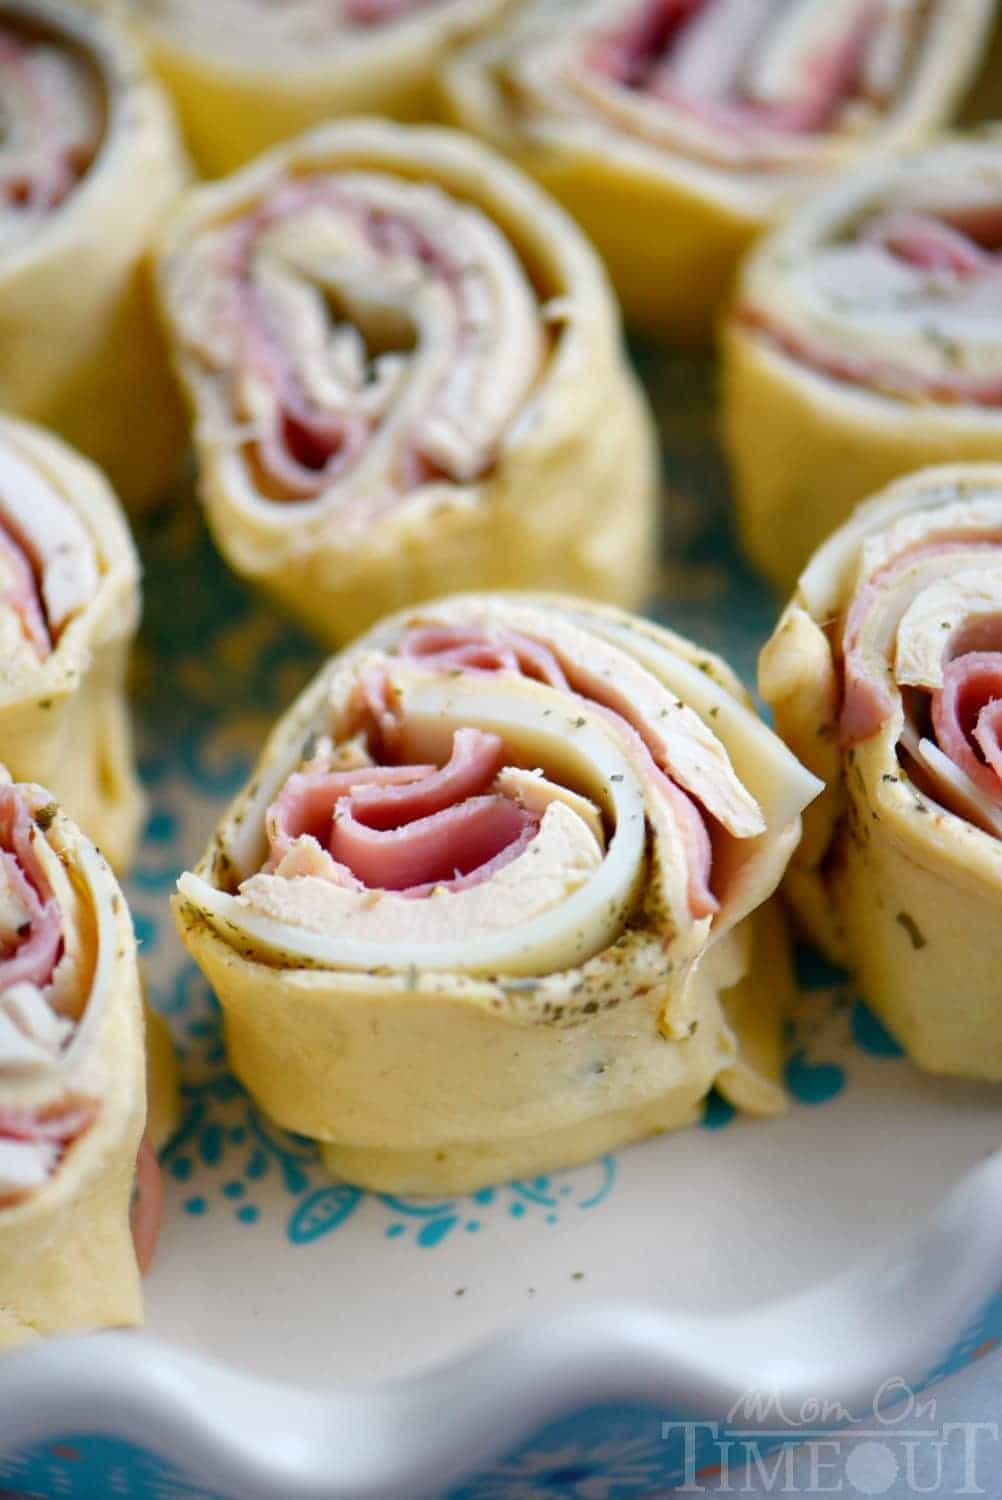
<point>486,907</point>
<point>885,675</point>
<point>69,608</point>
<point>865,342</point>
<point>89,161</point>
<point>72,1080</point>
<point>245,76</point>
<point>406,371</point>
<point>674,130</point>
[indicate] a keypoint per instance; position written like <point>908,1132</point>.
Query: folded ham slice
<point>709,116</point>
<point>865,341</point>
<point>405,367</point>
<point>885,674</point>
<point>72,1079</point>
<point>502,845</point>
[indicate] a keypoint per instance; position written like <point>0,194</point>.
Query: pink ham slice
<point>630,54</point>
<point>21,594</point>
<point>439,849</point>
<point>967,711</point>
<point>407,828</point>
<point>867,704</point>
<point>147,1205</point>
<point>380,12</point>
<point>307,448</point>
<point>32,959</point>
<point>872,374</point>
<point>470,650</point>
<point>929,243</point>
<point>53,178</point>
<point>452,649</point>
<point>57,1127</point>
<point>690,53</point>
<point>410,828</point>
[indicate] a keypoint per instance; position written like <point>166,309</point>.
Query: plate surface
<point>741,1255</point>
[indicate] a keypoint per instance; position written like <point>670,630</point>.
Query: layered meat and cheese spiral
<point>89,161</point>
<point>865,342</point>
<point>485,907</point>
<point>406,371</point>
<point>69,608</point>
<point>885,674</point>
<point>72,1081</point>
<point>247,74</point>
<point>675,129</point>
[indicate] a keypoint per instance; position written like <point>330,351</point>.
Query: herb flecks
<point>915,933</point>
<point>47,815</point>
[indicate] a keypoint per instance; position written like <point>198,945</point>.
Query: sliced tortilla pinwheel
<point>405,366</point>
<point>89,161</point>
<point>72,1082</point>
<point>885,676</point>
<point>69,609</point>
<point>676,130</point>
<point>488,905</point>
<point>245,75</point>
<point>865,342</point>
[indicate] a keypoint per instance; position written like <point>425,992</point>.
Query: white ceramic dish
<point>306,1340</point>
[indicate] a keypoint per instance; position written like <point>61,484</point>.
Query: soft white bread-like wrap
<point>72,1081</point>
<point>885,677</point>
<point>245,76</point>
<point>676,130</point>
<point>89,162</point>
<point>490,903</point>
<point>69,609</point>
<point>865,342</point>
<point>406,371</point>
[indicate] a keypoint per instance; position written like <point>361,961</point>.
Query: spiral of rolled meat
<point>676,129</point>
<point>865,342</point>
<point>885,674</point>
<point>72,1078</point>
<point>405,368</point>
<point>69,608</point>
<point>485,905</point>
<point>247,74</point>
<point>89,161</point>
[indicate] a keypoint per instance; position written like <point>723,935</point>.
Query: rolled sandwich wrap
<point>405,368</point>
<point>69,609</point>
<point>885,677</point>
<point>865,342</point>
<point>486,907</point>
<point>675,130</point>
<point>245,76</point>
<point>72,1080</point>
<point>89,162</point>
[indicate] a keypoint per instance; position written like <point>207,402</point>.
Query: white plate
<point>305,1339</point>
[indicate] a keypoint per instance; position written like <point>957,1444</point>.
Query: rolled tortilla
<point>89,162</point>
<point>885,677</point>
<point>72,1079</point>
<point>69,609</point>
<point>245,76</point>
<point>485,903</point>
<point>676,130</point>
<point>405,367</point>
<point>865,342</point>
